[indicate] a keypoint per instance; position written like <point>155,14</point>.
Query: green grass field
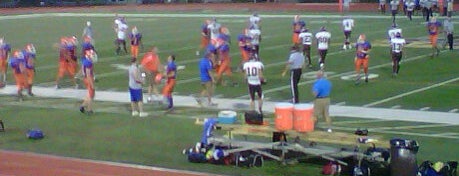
<point>113,135</point>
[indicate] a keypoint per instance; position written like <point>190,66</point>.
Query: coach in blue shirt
<point>207,79</point>
<point>321,91</point>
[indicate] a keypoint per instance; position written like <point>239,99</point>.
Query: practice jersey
<point>433,27</point>
<point>362,49</point>
<point>252,70</point>
<point>4,50</point>
<point>391,33</point>
<point>17,63</point>
<point>254,20</point>
<point>254,35</point>
<point>306,38</point>
<point>87,67</point>
<point>29,59</point>
<point>348,24</point>
<point>397,44</point>
<point>297,25</point>
<point>135,38</point>
<point>171,67</point>
<point>323,38</point>
<point>214,30</point>
<point>121,32</point>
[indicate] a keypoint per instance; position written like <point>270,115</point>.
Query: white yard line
<point>411,92</point>
<point>402,133</point>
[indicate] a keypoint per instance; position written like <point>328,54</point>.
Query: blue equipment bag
<point>35,134</point>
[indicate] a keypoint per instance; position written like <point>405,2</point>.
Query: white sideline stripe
<point>335,76</point>
<point>453,110</point>
<point>341,103</point>
<point>412,127</point>
<point>109,163</point>
<point>412,92</point>
<point>359,121</point>
<point>396,107</point>
<point>424,109</point>
<point>402,133</point>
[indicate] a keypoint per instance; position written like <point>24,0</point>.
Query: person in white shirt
<point>397,44</point>
<point>253,70</point>
<point>255,38</point>
<point>323,39</point>
<point>382,6</point>
<point>410,5</point>
<point>392,31</point>
<point>214,29</point>
<point>394,9</point>
<point>254,20</point>
<point>348,24</point>
<point>121,37</point>
<point>306,39</point>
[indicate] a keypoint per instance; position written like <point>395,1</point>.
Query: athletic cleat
<point>57,87</point>
<point>212,104</point>
<point>90,113</point>
<point>329,130</point>
<point>350,46</point>
<point>82,109</point>
<point>149,99</point>
<point>344,47</point>
<point>143,114</point>
<point>135,113</point>
<point>30,94</point>
<point>366,79</point>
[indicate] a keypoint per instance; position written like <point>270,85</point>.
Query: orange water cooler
<point>283,116</point>
<point>302,118</point>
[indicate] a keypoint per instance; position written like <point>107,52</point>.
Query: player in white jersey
<point>323,39</point>
<point>214,29</point>
<point>306,39</point>
<point>253,70</point>
<point>392,31</point>
<point>397,44</point>
<point>254,20</point>
<point>348,24</point>
<point>121,37</point>
<point>255,38</point>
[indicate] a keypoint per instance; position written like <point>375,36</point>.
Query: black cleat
<point>82,109</point>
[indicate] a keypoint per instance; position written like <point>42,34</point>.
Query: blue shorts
<point>136,95</point>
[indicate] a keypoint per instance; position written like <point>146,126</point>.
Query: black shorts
<point>396,56</point>
<point>323,53</point>
<point>347,34</point>
<point>307,49</point>
<point>120,42</point>
<point>255,89</point>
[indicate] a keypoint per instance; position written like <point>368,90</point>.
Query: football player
<point>29,53</point>
<point>323,40</point>
<point>152,66</point>
<point>297,24</point>
<point>205,36</point>
<point>171,75</point>
<point>397,44</point>
<point>253,70</point>
<point>121,37</point>
<point>5,49</point>
<point>88,78</point>
<point>361,57</point>
<point>255,38</point>
<point>17,63</point>
<point>348,24</point>
<point>136,41</point>
<point>306,40</point>
<point>433,28</point>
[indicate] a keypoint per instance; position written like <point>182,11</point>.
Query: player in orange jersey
<point>361,58</point>
<point>136,41</point>
<point>152,66</point>
<point>29,53</point>
<point>67,61</point>
<point>17,63</point>
<point>433,28</point>
<point>297,25</point>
